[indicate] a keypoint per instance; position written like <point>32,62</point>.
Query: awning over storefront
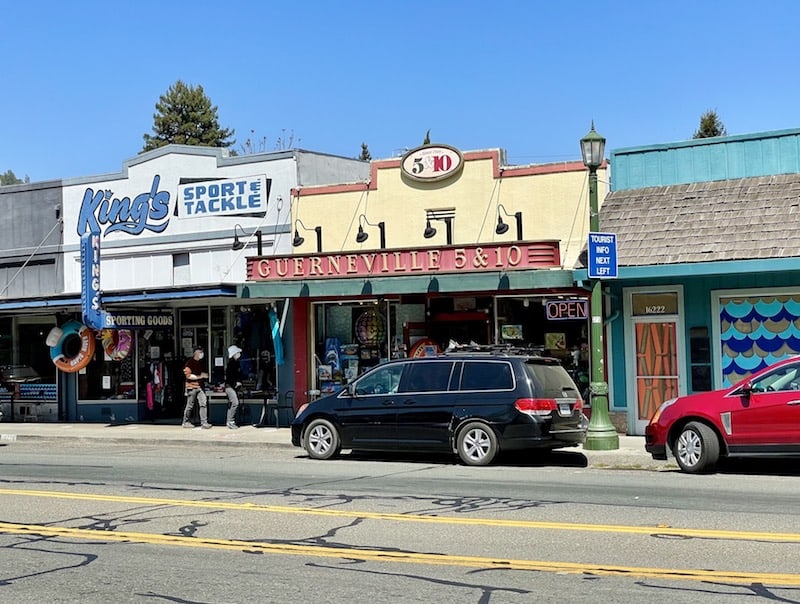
<point>417,284</point>
<point>56,302</point>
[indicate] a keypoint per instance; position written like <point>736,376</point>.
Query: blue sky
<point>81,78</point>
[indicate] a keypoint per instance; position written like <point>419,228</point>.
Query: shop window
<point>700,358</point>
<point>351,338</point>
<point>110,374</point>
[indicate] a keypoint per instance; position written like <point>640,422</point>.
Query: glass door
<point>656,367</point>
<point>655,353</point>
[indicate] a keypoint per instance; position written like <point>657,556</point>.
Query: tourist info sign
<point>602,255</point>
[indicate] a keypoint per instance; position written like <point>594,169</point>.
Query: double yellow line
<point>739,577</point>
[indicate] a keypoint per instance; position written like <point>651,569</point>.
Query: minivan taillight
<point>536,406</point>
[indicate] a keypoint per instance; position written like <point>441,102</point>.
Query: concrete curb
<point>630,456</point>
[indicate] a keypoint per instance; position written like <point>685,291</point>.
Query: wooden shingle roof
<point>739,219</point>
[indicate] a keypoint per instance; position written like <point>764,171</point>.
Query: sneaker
<point>187,425</point>
<point>232,426</point>
<point>206,426</point>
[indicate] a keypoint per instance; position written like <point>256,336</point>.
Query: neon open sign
<point>561,310</point>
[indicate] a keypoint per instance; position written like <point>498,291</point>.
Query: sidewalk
<point>630,455</point>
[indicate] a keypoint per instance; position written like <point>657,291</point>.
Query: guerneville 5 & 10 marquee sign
<point>462,259</point>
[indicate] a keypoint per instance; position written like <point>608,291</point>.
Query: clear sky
<point>80,79</point>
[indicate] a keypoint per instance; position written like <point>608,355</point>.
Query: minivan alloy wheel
<point>321,439</point>
<point>477,444</point>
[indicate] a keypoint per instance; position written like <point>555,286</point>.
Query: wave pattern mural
<point>757,331</point>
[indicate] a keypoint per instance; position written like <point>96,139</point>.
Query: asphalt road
<point>103,522</point>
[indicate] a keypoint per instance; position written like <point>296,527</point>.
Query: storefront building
<point>436,247</point>
<point>708,287</point>
<point>171,233</point>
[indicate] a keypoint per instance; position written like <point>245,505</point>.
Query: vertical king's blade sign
<point>90,286</point>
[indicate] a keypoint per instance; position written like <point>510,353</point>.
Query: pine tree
<point>185,116</point>
<point>710,125</point>
<point>365,154</point>
<point>9,178</point>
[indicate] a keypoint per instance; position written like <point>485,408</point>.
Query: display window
<point>351,337</point>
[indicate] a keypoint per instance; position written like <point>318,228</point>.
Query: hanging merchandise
<point>371,328</point>
<point>116,343</point>
<point>71,346</point>
<point>332,346</point>
<point>277,342</point>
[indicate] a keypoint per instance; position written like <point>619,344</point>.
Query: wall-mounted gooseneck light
<point>239,244</point>
<point>446,217</point>
<point>502,227</point>
<point>298,240</point>
<point>362,235</point>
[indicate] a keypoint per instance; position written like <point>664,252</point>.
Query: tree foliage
<point>365,154</point>
<point>185,116</point>
<point>9,178</point>
<point>710,125</point>
<point>427,140</point>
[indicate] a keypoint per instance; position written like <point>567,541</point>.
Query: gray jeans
<point>198,395</point>
<point>233,399</point>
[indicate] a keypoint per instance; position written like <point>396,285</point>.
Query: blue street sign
<point>602,255</point>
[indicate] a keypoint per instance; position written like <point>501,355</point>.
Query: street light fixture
<point>601,434</point>
<point>298,240</point>
<point>362,235</point>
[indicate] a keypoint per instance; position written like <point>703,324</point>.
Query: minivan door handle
<point>409,401</point>
<point>791,403</point>
<point>387,403</point>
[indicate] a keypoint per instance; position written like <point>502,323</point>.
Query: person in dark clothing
<point>233,380</point>
<point>194,372</point>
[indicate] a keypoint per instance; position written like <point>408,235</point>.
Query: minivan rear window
<point>551,381</point>
<point>486,375</point>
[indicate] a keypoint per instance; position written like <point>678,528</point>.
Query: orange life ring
<point>77,340</point>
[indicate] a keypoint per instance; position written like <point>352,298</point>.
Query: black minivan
<point>474,404</point>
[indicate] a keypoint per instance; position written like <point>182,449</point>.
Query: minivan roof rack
<point>509,349</point>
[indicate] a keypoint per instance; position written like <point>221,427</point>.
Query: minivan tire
<point>696,449</point>
<point>321,440</point>
<point>477,444</point>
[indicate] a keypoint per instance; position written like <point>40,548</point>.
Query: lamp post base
<point>601,440</point>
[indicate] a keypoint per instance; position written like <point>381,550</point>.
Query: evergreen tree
<point>427,140</point>
<point>9,178</point>
<point>185,116</point>
<point>710,125</point>
<point>365,154</point>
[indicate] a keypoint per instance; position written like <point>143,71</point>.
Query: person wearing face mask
<point>195,374</point>
<point>233,380</point>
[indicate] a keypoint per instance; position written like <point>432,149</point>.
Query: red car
<point>759,416</point>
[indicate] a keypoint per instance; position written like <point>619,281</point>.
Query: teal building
<point>708,285</point>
